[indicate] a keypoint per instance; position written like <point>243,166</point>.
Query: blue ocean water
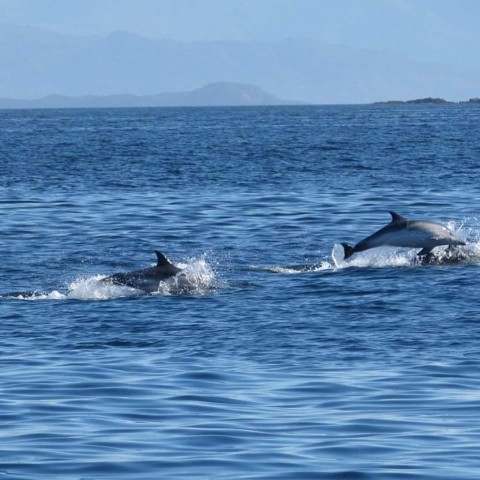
<point>281,361</point>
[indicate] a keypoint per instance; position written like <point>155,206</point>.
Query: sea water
<point>280,360</point>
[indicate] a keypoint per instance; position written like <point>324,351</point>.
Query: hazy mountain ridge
<point>214,94</point>
<point>35,63</point>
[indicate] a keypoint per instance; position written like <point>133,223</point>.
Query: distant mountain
<point>214,94</point>
<point>35,63</point>
<point>221,93</point>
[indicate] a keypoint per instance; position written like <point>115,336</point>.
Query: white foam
<point>30,296</point>
<point>376,257</point>
<point>92,288</point>
<point>324,265</point>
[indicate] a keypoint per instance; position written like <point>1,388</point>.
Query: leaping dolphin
<point>401,232</point>
<point>147,279</point>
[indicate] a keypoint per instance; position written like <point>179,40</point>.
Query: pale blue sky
<point>440,30</point>
<point>329,51</point>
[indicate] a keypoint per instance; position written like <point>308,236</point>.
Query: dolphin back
<point>147,279</point>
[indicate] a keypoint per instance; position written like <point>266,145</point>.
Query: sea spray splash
<point>196,278</point>
<point>92,288</point>
<point>376,258</point>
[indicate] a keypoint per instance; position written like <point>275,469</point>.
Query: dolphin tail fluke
<point>348,250</point>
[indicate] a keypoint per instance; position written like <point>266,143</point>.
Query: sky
<point>442,31</point>
<point>354,50</point>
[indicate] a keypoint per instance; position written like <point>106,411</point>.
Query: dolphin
<point>147,279</point>
<point>401,232</point>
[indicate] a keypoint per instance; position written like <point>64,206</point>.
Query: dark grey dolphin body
<point>401,232</point>
<point>147,279</point>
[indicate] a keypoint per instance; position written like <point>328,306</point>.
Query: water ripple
<point>282,361</point>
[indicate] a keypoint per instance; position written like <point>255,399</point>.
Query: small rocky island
<point>426,101</point>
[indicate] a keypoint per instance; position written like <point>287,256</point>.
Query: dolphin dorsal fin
<point>162,260</point>
<point>397,218</point>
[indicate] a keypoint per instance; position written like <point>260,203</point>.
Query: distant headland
<point>428,101</point>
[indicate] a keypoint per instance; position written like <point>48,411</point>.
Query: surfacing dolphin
<point>147,279</point>
<point>401,232</point>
